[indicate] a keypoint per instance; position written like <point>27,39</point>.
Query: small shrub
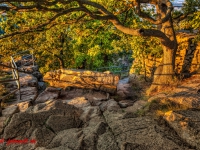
<point>3,90</point>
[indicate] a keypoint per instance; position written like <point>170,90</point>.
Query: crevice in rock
<point>48,127</point>
<point>171,134</point>
<point>8,121</point>
<point>110,129</point>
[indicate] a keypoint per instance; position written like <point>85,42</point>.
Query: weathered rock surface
<point>184,94</point>
<point>27,80</point>
<point>41,86</point>
<point>40,123</point>
<point>48,94</point>
<point>10,110</point>
<point>38,75</point>
<point>29,69</point>
<point>123,89</point>
<point>84,119</point>
<point>136,106</point>
<point>94,97</point>
<point>28,94</point>
<point>79,102</point>
<point>156,97</point>
<point>126,103</point>
<point>57,125</point>
<point>23,106</point>
<point>110,105</point>
<point>67,140</point>
<point>139,133</point>
<point>82,103</point>
<point>187,124</point>
<point>187,99</point>
<point>95,136</point>
<point>83,79</point>
<point>2,123</point>
<point>90,112</point>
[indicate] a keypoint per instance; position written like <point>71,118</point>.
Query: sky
<point>178,1</point>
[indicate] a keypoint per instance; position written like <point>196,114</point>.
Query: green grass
<point>161,106</point>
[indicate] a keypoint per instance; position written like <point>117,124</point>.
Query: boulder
<point>27,80</point>
<point>10,110</point>
<point>48,94</point>
<point>42,125</point>
<point>83,138</point>
<point>29,69</point>
<point>66,140</point>
<point>110,105</point>
<point>53,89</point>
<point>136,106</point>
<point>79,102</point>
<point>65,122</point>
<point>97,95</point>
<point>126,91</point>
<point>126,103</point>
<point>107,141</point>
<point>90,112</point>
<point>94,97</point>
<point>41,86</point>
<point>27,93</point>
<point>38,75</point>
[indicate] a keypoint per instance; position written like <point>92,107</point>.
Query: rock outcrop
<point>186,124</point>
<point>139,132</point>
<point>74,118</point>
<point>83,79</point>
<point>39,122</point>
<point>185,94</point>
<point>50,93</point>
<point>77,123</point>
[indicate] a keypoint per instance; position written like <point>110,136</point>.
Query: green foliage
<point>86,44</point>
<point>3,90</point>
<point>190,6</point>
<point>191,22</point>
<point>142,48</point>
<point>195,23</point>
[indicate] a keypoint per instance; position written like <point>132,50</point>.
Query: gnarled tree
<point>102,10</point>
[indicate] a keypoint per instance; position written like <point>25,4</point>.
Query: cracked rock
<point>41,124</point>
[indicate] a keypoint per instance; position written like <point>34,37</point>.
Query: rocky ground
<point>82,119</point>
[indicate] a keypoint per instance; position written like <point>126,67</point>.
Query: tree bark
<point>61,62</point>
<point>164,73</point>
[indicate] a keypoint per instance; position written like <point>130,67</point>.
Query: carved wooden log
<point>83,79</point>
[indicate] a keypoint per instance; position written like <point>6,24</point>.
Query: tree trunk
<point>164,73</point>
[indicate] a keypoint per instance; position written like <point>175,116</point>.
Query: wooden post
<point>0,108</point>
<point>15,75</point>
